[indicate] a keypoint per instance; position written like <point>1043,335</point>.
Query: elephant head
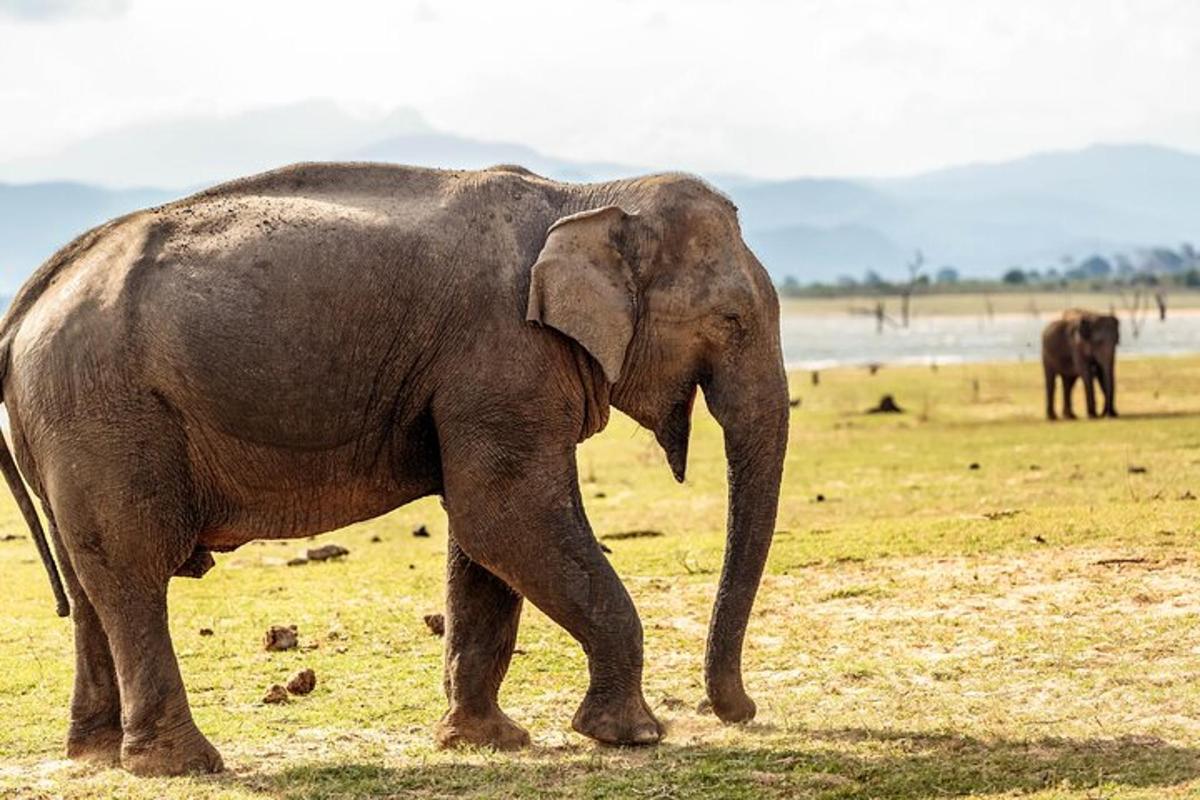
<point>1096,337</point>
<point>655,282</point>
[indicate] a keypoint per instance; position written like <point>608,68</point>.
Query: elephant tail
<point>12,476</point>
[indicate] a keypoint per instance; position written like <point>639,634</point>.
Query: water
<point>818,341</point>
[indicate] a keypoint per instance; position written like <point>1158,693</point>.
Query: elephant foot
<point>624,721</point>
<point>733,707</point>
<point>166,755</point>
<point>494,729</point>
<point>101,746</point>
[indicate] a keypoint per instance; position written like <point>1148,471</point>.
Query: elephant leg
<point>125,541</point>
<point>1110,393</point>
<point>1068,389</point>
<point>1089,390</point>
<point>1051,378</point>
<point>482,615</point>
<point>526,525</point>
<point>95,731</point>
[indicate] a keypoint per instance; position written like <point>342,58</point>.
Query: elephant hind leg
<point>482,616</point>
<point>122,511</point>
<point>95,731</point>
<point>1051,377</point>
<point>1068,388</point>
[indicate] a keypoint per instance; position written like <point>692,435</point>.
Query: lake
<point>818,341</point>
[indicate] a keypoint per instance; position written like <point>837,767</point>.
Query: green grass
<point>926,630</point>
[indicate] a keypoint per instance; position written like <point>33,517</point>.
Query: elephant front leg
<point>482,616</point>
<point>1089,391</point>
<point>529,529</point>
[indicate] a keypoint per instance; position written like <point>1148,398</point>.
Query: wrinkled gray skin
<point>296,351</point>
<point>1082,344</point>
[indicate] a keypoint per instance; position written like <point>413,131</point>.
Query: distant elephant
<point>1082,344</point>
<point>293,352</point>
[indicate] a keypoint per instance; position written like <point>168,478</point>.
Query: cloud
<point>44,10</point>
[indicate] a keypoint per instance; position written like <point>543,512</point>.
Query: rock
<point>887,405</point>
<point>206,631</point>
<point>279,638</point>
<point>303,682</point>
<point>276,694</point>
<point>1135,469</point>
<point>605,548</point>
<point>421,532</point>
<point>327,552</point>
<point>1039,539</point>
<point>298,561</point>
<point>820,498</point>
<point>436,624</point>
<point>973,465</point>
<point>795,402</point>
<point>376,539</point>
<point>10,537</point>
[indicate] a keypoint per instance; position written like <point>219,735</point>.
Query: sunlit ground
<point>1030,626</point>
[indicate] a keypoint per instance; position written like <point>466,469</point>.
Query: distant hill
<point>981,219</point>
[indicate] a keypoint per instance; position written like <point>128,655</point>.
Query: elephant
<point>292,352</point>
<point>1081,344</point>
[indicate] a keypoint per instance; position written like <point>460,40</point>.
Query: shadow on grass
<point>837,764</point>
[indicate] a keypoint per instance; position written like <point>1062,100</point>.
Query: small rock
<point>206,631</point>
<point>820,498</point>
<point>1187,495</point>
<point>412,566</point>
<point>795,402</point>
<point>302,682</point>
<point>298,561</point>
<point>279,638</point>
<point>1135,469</point>
<point>436,624</point>
<point>887,405</point>
<point>327,552</point>
<point>973,465</point>
<point>376,539</point>
<point>1039,539</point>
<point>276,694</point>
<point>605,548</point>
<point>10,537</point>
<point>421,532</point>
<point>600,495</point>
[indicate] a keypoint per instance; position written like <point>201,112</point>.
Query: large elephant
<point>1082,344</point>
<point>296,351</point>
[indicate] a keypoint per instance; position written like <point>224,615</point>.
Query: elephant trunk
<point>754,416</point>
<point>1108,382</point>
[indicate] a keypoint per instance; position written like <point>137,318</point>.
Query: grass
<point>1027,627</point>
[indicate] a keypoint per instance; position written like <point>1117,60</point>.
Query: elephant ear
<point>582,286</point>
<point>1085,329</point>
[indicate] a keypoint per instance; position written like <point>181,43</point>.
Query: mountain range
<point>1032,212</point>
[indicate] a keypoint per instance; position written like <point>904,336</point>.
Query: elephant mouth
<point>675,432</point>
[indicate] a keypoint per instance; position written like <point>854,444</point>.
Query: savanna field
<point>962,600</point>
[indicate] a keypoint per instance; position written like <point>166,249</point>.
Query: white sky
<point>763,87</point>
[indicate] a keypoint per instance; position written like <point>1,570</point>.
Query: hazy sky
<point>764,87</point>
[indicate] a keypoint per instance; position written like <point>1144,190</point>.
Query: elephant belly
<point>254,492</point>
